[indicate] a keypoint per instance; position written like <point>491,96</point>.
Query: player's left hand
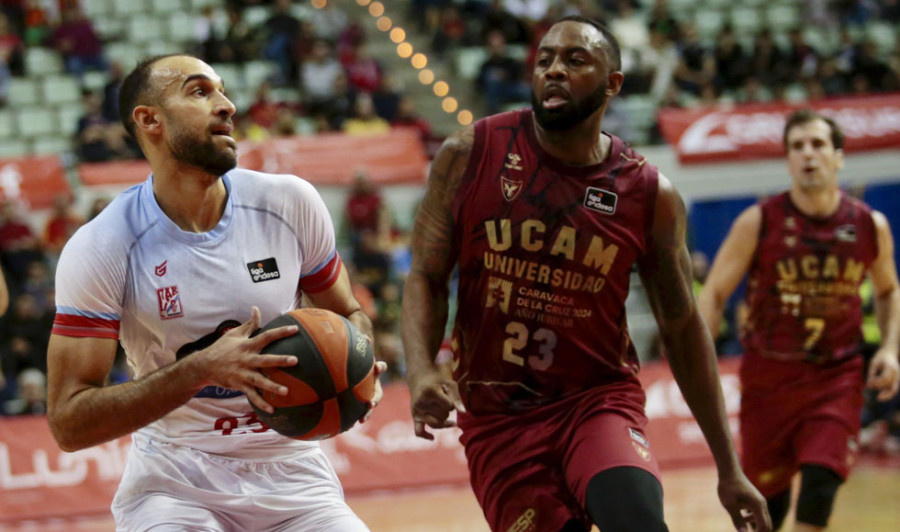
<point>884,373</point>
<point>745,504</point>
<point>380,367</point>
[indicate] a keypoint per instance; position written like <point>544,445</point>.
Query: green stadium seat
<point>14,148</point>
<point>181,28</point>
<point>168,6</point>
<point>468,61</point>
<point>36,121</point>
<point>255,72</point>
<point>40,61</point>
<point>125,8</point>
<point>23,91</point>
<point>783,17</point>
<point>67,119</point>
<point>60,89</point>
<point>51,144</point>
<point>7,125</point>
<point>145,29</point>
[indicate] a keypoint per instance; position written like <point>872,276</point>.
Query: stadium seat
<point>60,89</point>
<point>125,53</point>
<point>125,8</point>
<point>708,24</point>
<point>36,121</point>
<point>255,16</point>
<point>23,91</point>
<point>67,119</point>
<point>94,8</point>
<point>197,5</point>
<point>782,17</point>
<point>7,125</point>
<point>14,148</point>
<point>40,61</point>
<point>180,28</point>
<point>145,29</point>
<point>884,35</point>
<point>468,61</point>
<point>94,80</point>
<point>51,144</point>
<point>168,6</point>
<point>746,20</point>
<point>231,74</point>
<point>255,72</point>
<point>109,28</point>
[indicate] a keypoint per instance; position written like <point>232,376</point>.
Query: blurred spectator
<point>26,332</point>
<point>426,13</point>
<point>4,302</point>
<point>731,61</point>
<point>408,117</point>
<point>97,206</point>
<point>878,75</point>
<point>450,33</point>
<point>110,105</point>
<point>329,21</point>
<point>241,42</point>
<point>500,77</point>
<point>753,91</point>
<point>61,225</point>
<point>78,43</point>
<point>386,98</point>
<point>365,210</point>
<point>529,11</point>
<point>206,41</point>
<point>364,72</point>
<point>37,23</point>
<point>98,139</point>
<point>768,63</point>
<point>11,48</point>
<point>281,31</point>
<point>659,62</point>
<point>364,120</point>
<point>18,243</point>
<point>802,59</point>
<point>264,108</point>
<point>696,66</point>
<point>318,75</point>
<point>832,81</point>
<point>497,18</point>
<point>337,109</point>
<point>661,20</point>
<point>32,395</point>
<point>285,122</point>
<point>630,28</point>
<point>14,12</point>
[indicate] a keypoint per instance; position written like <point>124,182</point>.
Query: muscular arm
<point>884,373</point>
<point>426,292</point>
<point>83,412</point>
<point>339,299</point>
<point>666,274</point>
<point>731,263</point>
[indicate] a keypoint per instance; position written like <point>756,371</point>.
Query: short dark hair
<point>803,116</point>
<point>612,47</point>
<point>137,90</point>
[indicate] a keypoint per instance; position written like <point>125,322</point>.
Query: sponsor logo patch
<point>642,451</point>
<point>845,233</point>
<point>169,303</point>
<point>510,188</point>
<point>161,269</point>
<point>263,270</point>
<point>597,199</point>
<point>525,522</point>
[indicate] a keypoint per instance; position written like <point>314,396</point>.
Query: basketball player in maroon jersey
<point>545,215</point>
<point>807,251</point>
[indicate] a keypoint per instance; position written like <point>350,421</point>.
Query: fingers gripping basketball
<point>331,385</point>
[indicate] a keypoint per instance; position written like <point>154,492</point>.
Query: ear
<point>614,82</point>
<point>146,119</point>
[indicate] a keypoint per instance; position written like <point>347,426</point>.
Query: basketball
<point>331,384</point>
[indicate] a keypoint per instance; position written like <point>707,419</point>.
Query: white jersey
<point>134,275</point>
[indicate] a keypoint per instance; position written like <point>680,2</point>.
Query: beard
<point>187,148</point>
<point>570,115</point>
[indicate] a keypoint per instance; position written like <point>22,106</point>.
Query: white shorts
<point>169,487</point>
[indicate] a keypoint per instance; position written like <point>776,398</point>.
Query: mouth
<point>555,97</point>
<point>224,130</point>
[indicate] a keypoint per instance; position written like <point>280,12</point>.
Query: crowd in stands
<point>327,80</point>
<point>664,56</point>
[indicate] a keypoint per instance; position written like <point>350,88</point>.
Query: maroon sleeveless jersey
<point>545,255</point>
<point>803,284</point>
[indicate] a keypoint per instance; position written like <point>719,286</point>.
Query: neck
<point>191,198</point>
<point>583,145</point>
<point>818,204</point>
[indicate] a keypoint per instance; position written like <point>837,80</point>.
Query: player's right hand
<point>433,397</point>
<point>233,361</point>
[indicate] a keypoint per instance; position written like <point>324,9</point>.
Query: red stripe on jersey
<point>85,327</point>
<point>323,279</point>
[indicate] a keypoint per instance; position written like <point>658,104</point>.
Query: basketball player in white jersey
<point>182,269</point>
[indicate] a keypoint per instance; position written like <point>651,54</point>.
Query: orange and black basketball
<point>332,382</point>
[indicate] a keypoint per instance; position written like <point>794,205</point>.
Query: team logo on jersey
<point>169,303</point>
<point>790,241</point>
<point>525,522</point>
<point>845,233</point>
<point>499,292</point>
<point>790,223</point>
<point>263,270</point>
<point>597,199</point>
<point>638,437</point>
<point>513,160</point>
<point>510,188</point>
<point>161,269</point>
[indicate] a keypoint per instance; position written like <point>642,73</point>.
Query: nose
<point>556,69</point>
<point>224,107</point>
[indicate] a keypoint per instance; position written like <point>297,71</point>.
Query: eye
<point>543,61</point>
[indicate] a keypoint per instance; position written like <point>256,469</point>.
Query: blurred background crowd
<point>311,67</point>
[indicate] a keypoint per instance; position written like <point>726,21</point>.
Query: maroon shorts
<point>530,471</point>
<point>795,413</point>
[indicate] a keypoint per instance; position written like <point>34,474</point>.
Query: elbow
<point>66,439</point>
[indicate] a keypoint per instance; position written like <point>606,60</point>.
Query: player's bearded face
<point>191,148</point>
<point>574,112</point>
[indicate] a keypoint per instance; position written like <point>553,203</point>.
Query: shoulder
<point>260,189</point>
